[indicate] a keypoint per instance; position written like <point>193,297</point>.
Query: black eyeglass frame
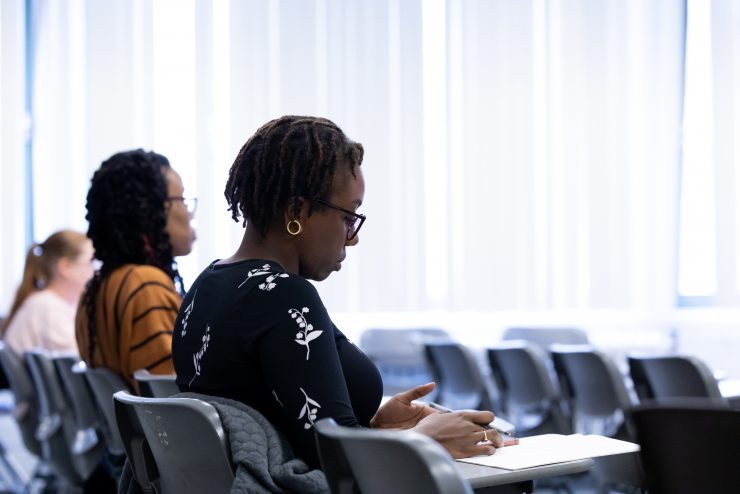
<point>352,232</point>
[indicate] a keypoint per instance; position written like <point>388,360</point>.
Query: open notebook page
<point>552,448</point>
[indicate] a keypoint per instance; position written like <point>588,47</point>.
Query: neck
<point>273,247</point>
<point>65,290</point>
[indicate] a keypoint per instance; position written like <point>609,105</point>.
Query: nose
<point>353,242</point>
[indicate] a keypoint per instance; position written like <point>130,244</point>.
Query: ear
<point>63,267</point>
<point>295,209</point>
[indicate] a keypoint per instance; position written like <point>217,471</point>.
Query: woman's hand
<point>461,432</point>
<point>400,412</point>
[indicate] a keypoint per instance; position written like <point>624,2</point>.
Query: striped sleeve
<point>149,311</point>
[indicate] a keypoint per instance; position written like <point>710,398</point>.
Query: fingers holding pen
<point>483,418</point>
<point>493,437</point>
<point>461,433</point>
<point>480,417</point>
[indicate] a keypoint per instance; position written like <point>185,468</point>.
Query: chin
<point>315,276</point>
<point>182,251</point>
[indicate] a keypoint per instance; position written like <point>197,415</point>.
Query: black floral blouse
<point>254,333</point>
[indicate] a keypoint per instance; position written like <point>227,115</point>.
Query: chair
<point>399,356</point>
<point>334,462</point>
<point>600,400</point>
<point>26,404</point>
<point>156,385</point>
<point>544,337</point>
<point>185,438</point>
<point>383,461</point>
<point>460,385</point>
<point>668,377</point>
<point>23,407</point>
<point>600,395</point>
<point>528,393</point>
<point>689,448</point>
<point>57,427</point>
<point>82,402</point>
<point>133,441</point>
<point>104,383</point>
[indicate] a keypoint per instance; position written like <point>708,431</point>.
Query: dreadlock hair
<point>127,218</point>
<point>287,158</point>
<point>41,265</point>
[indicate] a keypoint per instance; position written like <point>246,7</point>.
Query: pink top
<point>44,320</point>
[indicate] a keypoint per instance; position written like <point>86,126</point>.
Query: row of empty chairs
<point>64,423</point>
<point>532,375</point>
<point>65,416</point>
<point>553,381</point>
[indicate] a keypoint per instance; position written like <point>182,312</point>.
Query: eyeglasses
<point>354,221</point>
<point>191,203</point>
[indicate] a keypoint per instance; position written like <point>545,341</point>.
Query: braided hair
<point>287,158</point>
<point>127,219</point>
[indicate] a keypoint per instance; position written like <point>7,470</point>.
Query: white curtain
<point>709,265</point>
<point>13,134</point>
<point>519,154</point>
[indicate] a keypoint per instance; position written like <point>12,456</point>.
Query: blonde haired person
<point>54,276</point>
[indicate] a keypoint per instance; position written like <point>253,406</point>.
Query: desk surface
<point>482,476</point>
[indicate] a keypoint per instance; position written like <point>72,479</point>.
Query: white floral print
<point>274,395</point>
<point>198,356</point>
<point>269,283</point>
<point>188,310</point>
<point>306,333</point>
<point>309,410</point>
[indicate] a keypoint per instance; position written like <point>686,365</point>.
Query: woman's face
<point>182,234</point>
<point>323,241</point>
<point>82,266</point>
<point>78,270</point>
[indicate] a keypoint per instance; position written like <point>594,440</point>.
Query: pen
<point>510,442</point>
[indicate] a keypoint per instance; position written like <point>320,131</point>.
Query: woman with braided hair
<point>253,328</point>
<point>139,221</point>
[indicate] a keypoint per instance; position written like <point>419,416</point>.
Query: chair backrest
<point>334,462</point>
<point>544,337</point>
<point>672,376</point>
<point>80,398</point>
<point>520,371</point>
<point>186,439</point>
<point>135,444</point>
<point>156,385</point>
<point>599,394</point>
<point>104,383</point>
<point>399,355</point>
<point>26,410</point>
<point>458,377</point>
<point>400,461</point>
<point>689,448</point>
<point>57,423</point>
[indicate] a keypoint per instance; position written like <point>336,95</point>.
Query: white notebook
<point>552,448</point>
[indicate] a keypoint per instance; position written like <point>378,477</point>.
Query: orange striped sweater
<point>135,311</point>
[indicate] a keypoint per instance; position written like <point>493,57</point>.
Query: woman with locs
<point>254,329</point>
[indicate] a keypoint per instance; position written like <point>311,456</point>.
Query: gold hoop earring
<point>296,229</point>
